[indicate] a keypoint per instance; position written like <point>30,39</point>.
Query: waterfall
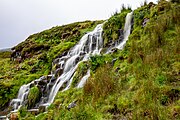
<point>61,79</point>
<point>127,30</point>
<point>90,44</point>
<point>83,80</point>
<point>76,55</point>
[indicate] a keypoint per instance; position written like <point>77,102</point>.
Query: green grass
<point>143,83</point>
<point>37,53</point>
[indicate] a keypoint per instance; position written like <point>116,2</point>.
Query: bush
<point>102,83</point>
<point>96,61</point>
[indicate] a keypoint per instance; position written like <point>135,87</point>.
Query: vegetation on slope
<point>32,58</point>
<point>140,82</point>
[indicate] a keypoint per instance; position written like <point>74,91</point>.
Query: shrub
<point>102,83</point>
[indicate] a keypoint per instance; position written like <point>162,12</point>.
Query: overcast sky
<point>21,18</point>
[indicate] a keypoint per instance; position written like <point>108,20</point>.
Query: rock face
<point>42,108</point>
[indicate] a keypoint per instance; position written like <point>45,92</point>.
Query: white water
<point>22,94</point>
<point>94,41</point>
<point>127,30</point>
<point>83,80</point>
<point>90,44</point>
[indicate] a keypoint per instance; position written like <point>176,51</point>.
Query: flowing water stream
<point>61,79</point>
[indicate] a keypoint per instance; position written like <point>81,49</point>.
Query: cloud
<point>20,18</point>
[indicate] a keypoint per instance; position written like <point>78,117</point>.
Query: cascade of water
<point>23,94</point>
<point>127,30</point>
<point>83,80</point>
<point>61,79</point>
<point>91,41</point>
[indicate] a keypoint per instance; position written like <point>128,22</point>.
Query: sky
<point>21,18</point>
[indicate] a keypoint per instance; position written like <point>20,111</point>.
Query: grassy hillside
<point>140,82</point>
<point>143,81</point>
<point>33,57</point>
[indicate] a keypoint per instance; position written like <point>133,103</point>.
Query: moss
<point>33,57</point>
<point>143,81</point>
<point>33,96</point>
<point>80,72</point>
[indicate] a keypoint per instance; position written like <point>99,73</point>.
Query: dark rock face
<point>72,105</point>
<point>58,72</point>
<point>65,35</point>
<point>114,110</point>
<point>42,108</point>
<point>113,61</point>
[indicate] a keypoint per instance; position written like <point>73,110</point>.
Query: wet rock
<point>42,82</point>
<point>32,85</point>
<point>94,40</point>
<point>72,105</point>
<point>56,61</point>
<point>93,46</point>
<point>82,53</point>
<point>113,61</point>
<point>53,79</point>
<point>42,78</point>
<point>63,54</point>
<point>51,85</point>
<point>77,59</point>
<point>48,77</point>
<point>114,50</point>
<point>58,72</point>
<point>121,32</point>
<point>42,108</point>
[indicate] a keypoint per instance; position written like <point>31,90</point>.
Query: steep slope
<point>139,82</point>
<point>32,58</point>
